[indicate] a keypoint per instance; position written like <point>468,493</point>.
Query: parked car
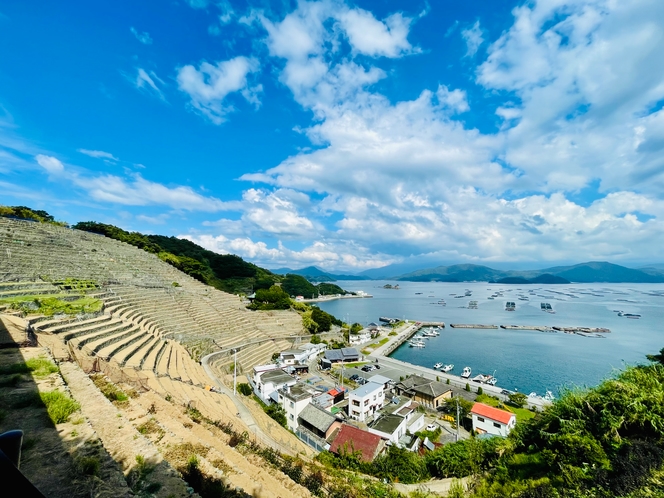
<point>367,368</point>
<point>506,392</point>
<point>354,377</point>
<point>377,367</point>
<point>361,381</point>
<point>431,427</point>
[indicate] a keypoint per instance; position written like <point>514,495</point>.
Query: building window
<point>480,419</point>
<point>356,402</point>
<point>292,404</point>
<point>366,402</point>
<point>496,424</point>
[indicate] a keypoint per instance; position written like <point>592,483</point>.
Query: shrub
<point>480,391</point>
<point>467,387</point>
<point>245,389</point>
<point>88,465</point>
<point>59,406</point>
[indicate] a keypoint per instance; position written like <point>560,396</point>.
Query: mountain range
<point>590,272</point>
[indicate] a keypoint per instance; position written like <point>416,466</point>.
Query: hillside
<point>581,273</point>
<point>314,274</point>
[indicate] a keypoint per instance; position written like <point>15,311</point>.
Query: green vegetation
<point>521,413</point>
<point>274,298</point>
<point>53,305</point>
<point>277,413</point>
<point>108,389</point>
<point>297,285</point>
<point>327,289</point>
<point>244,388</point>
<point>26,213</point>
<point>58,405</point>
<point>38,367</point>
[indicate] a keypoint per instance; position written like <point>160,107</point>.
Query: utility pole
<point>457,434</point>
<point>235,373</point>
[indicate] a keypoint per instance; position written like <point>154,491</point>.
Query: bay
<point>523,360</point>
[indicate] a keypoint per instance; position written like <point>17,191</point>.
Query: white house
<point>294,399</point>
<point>490,420</point>
<point>266,383</point>
<point>365,401</point>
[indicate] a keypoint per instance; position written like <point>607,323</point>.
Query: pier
<point>405,334</point>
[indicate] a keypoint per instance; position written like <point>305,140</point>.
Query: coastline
<point>334,297</point>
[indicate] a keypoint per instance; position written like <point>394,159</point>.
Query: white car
<point>431,427</point>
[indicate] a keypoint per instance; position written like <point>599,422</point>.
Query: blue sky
<point>344,135</point>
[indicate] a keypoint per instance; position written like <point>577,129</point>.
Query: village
<point>334,399</point>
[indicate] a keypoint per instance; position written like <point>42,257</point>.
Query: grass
<point>521,413</point>
<point>58,405</point>
<point>50,305</point>
<point>39,367</point>
<point>352,365</point>
<point>108,389</point>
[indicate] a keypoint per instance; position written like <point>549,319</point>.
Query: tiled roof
<point>276,377</point>
<point>419,384</point>
<point>320,419</point>
<point>387,423</point>
<point>366,389</point>
<point>351,439</point>
<point>496,414</point>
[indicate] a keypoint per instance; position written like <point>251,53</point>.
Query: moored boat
<point>466,372</point>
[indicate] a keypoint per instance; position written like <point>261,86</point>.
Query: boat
<point>416,343</point>
<point>533,395</point>
<point>510,306</point>
<point>492,381</point>
<point>430,333</point>
<point>447,368</point>
<point>549,396</point>
<point>437,366</point>
<point>480,378</point>
<point>466,373</point>
<point>629,315</point>
<point>491,297</point>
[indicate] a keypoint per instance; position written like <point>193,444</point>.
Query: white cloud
<point>374,38</point>
<point>145,81</point>
<point>144,38</point>
<point>137,191</point>
<point>52,165</point>
<point>100,154</point>
<point>473,38</point>
<point>209,85</point>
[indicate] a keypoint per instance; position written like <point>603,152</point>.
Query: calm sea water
<point>523,360</point>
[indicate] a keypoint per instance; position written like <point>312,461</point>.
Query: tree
<point>518,399</point>
<point>323,319</point>
<point>657,358</point>
<point>244,388</point>
<point>277,413</point>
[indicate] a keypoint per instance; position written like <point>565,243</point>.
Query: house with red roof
<point>351,439</point>
<point>490,420</point>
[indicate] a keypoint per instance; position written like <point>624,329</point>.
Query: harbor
<point>534,350</point>
<point>334,297</point>
<point>394,368</point>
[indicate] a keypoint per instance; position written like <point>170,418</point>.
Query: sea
<point>523,360</point>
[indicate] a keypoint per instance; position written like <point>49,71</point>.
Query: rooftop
<point>387,423</point>
<point>367,389</point>
<point>276,377</point>
<point>492,413</point>
<point>351,439</point>
<point>420,385</point>
<point>380,379</point>
<point>317,417</point>
<point>298,392</point>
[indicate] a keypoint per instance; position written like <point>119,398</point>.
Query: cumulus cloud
<point>144,38</point>
<point>100,154</point>
<point>210,84</point>
<point>473,38</point>
<point>579,82</point>
<point>369,36</point>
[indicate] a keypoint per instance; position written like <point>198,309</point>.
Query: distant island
<point>546,278</point>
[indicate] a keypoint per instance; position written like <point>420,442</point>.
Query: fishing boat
<point>447,368</point>
<point>437,366</point>
<point>416,343</point>
<point>466,373</point>
<point>492,381</point>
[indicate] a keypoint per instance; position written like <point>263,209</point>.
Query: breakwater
<point>406,334</point>
<point>582,331</point>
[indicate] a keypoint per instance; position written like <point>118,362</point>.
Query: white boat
<point>479,378</point>
<point>533,395</point>
<point>466,373</point>
<point>492,381</point>
<point>437,366</point>
<point>415,343</point>
<point>549,396</point>
<point>430,333</point>
<point>447,368</point>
